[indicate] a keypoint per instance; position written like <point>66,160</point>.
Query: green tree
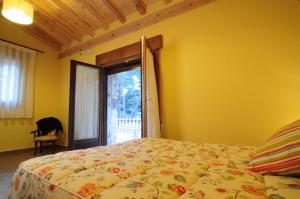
<point>129,93</point>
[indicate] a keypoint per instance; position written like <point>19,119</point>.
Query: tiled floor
<point>9,163</point>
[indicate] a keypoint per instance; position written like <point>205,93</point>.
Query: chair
<point>48,130</point>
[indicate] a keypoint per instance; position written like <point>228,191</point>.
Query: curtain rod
<point>22,46</point>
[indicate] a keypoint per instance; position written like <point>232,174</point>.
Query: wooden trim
<point>140,6</point>
<point>116,12</point>
<point>22,46</point>
<point>129,52</point>
<point>122,60</point>
<point>171,11</point>
<point>122,67</point>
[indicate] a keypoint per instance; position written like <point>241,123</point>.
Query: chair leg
<point>53,147</point>
<point>35,148</point>
<point>41,147</point>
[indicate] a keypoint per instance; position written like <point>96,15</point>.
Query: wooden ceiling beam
<point>61,24</point>
<point>116,12</point>
<point>93,10</point>
<point>140,6</point>
<point>41,35</point>
<point>171,11</point>
<point>78,21</point>
<point>51,28</point>
<point>167,1</point>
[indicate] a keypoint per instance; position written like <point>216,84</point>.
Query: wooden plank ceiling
<point>59,22</point>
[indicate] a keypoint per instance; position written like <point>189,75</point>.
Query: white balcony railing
<point>128,128</point>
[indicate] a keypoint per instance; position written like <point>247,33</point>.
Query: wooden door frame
<point>129,52</point>
<point>73,66</point>
<point>132,52</point>
<point>118,56</point>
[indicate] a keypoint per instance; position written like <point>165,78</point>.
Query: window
<point>9,81</point>
<point>16,81</point>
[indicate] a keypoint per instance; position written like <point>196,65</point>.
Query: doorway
<point>123,95</point>
<point>123,107</point>
<point>105,104</point>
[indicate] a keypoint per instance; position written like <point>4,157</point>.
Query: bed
<point>149,168</point>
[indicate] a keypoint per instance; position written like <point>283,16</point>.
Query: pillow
<point>280,155</point>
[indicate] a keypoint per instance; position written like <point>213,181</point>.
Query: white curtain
<point>17,65</point>
<point>153,120</point>
<point>86,103</point>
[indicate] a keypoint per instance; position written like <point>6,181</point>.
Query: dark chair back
<point>49,124</point>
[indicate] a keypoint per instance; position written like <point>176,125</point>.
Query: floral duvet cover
<point>149,168</point>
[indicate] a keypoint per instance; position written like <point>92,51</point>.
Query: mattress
<point>149,168</point>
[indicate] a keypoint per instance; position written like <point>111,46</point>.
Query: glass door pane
<point>86,124</point>
<point>123,106</point>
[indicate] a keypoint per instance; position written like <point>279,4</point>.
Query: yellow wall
<point>15,133</point>
<point>230,71</point>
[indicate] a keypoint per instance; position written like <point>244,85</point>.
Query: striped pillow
<point>280,155</point>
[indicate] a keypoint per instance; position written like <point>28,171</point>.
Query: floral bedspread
<point>149,168</point>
